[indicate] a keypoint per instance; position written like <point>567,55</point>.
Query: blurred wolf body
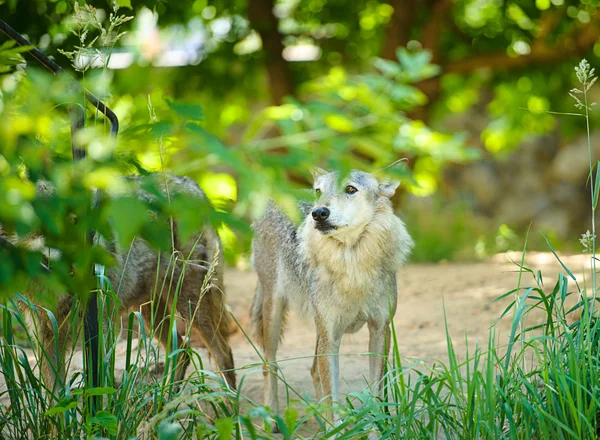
<point>142,280</point>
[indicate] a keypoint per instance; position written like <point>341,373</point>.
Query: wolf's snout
<point>320,214</point>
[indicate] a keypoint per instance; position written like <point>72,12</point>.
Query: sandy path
<point>467,290</point>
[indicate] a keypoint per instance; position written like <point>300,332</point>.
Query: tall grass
<point>543,382</point>
<point>130,401</point>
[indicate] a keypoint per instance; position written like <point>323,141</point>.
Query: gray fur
<point>342,275</point>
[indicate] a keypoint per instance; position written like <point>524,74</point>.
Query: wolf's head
<point>344,207</point>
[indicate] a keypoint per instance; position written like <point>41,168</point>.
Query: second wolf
<point>338,268</point>
<point>143,279</point>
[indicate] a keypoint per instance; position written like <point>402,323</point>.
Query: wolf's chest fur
<point>351,278</point>
<point>351,270</point>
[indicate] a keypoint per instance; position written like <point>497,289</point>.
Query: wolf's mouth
<point>325,228</point>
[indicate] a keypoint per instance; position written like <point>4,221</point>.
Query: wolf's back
<point>204,248</point>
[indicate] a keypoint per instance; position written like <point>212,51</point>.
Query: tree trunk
<point>440,11</point>
<point>399,32</point>
<point>262,20</point>
<point>398,29</point>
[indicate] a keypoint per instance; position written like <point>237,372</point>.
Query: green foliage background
<point>247,124</point>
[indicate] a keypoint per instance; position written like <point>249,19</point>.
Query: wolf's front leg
<point>379,347</point>
<point>314,372</point>
<point>327,352</point>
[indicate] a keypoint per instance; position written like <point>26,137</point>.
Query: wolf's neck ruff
<point>351,266</point>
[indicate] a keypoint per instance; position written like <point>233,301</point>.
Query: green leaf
<point>61,408</point>
<point>388,68</point>
<point>107,421</point>
<point>280,112</point>
<point>208,140</point>
<point>124,3</point>
<point>162,128</point>
<point>339,123</point>
<point>224,428</point>
<point>401,93</point>
<point>99,391</point>
<point>542,4</point>
<point>522,307</point>
<point>201,431</point>
<point>416,64</point>
<point>559,260</point>
<point>11,55</point>
<point>128,215</point>
<point>192,112</point>
<point>204,142</point>
<point>159,234</point>
<point>283,428</point>
<point>291,416</point>
<point>191,215</point>
<point>7,45</point>
<point>135,131</point>
<point>61,7</point>
<point>169,430</point>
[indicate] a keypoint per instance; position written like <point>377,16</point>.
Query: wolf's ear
<point>387,188</point>
<point>316,172</point>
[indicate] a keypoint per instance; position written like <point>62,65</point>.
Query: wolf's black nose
<point>320,214</point>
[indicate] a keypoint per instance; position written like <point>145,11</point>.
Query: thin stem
<point>592,189</point>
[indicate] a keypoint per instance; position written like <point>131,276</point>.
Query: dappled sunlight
<point>545,259</point>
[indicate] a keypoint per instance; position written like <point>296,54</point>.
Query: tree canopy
<point>260,51</point>
<point>246,96</point>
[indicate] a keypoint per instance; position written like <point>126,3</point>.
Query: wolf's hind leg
<point>51,358</point>
<point>210,318</point>
<point>161,322</point>
<point>379,347</point>
<point>52,351</point>
<point>217,345</point>
<point>274,312</point>
<point>224,358</point>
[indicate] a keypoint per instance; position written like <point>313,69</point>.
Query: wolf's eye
<point>318,191</point>
<point>350,189</point>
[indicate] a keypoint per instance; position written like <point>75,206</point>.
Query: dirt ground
<point>465,291</point>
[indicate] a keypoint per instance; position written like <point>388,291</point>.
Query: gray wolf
<point>337,268</point>
<point>147,281</point>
